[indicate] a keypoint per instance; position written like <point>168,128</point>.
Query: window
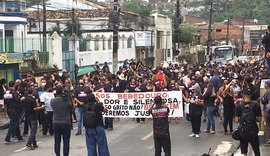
<point>12,6</point>
<point>168,52</point>
<point>103,44</point>
<point>1,6</point>
<point>129,42</point>
<point>123,43</point>
<point>159,40</point>
<point>110,43</point>
<point>97,43</point>
<point>88,42</point>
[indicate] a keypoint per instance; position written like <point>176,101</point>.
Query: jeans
<point>210,110</point>
<point>47,123</point>
<point>255,144</point>
<point>61,130</point>
<point>32,138</point>
<point>13,128</point>
<point>195,120</point>
<point>96,136</point>
<point>164,142</point>
<point>80,112</point>
<point>108,123</point>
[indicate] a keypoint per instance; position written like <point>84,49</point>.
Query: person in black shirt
<point>160,113</point>
<point>3,88</point>
<point>64,76</point>
<point>108,88</point>
<point>228,107</point>
<point>13,104</point>
<point>247,104</point>
<point>97,136</point>
<point>31,107</point>
<point>195,111</point>
<point>91,99</point>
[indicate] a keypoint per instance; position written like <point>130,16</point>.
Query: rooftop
<point>64,14</point>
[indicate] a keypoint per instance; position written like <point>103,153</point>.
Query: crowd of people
<point>211,91</point>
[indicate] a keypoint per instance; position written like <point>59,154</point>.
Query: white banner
<point>143,39</point>
<point>136,105</point>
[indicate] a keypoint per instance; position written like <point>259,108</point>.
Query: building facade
<point>13,30</point>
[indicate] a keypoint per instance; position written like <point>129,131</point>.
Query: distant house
<point>97,35</point>
<point>13,30</point>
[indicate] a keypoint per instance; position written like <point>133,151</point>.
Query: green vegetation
<point>248,9</point>
<point>73,26</point>
<point>137,7</point>
<point>30,3</point>
<point>55,28</point>
<point>186,34</point>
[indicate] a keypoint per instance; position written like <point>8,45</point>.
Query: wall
<point>163,24</point>
<point>89,57</point>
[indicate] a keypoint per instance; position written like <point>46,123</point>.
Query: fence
<point>34,44</point>
<point>13,44</point>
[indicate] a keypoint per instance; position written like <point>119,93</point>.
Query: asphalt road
<point>132,139</point>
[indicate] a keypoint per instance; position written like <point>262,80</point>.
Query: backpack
<point>90,119</point>
<point>248,125</point>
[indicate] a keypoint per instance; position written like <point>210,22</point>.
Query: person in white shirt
<point>45,99</point>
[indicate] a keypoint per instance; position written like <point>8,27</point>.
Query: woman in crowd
<point>195,111</point>
<point>229,107</point>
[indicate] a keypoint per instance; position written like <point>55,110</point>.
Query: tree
<point>137,7</point>
<point>73,26</point>
<point>57,29</point>
<point>186,34</point>
<point>167,10</point>
<point>30,3</point>
<point>248,9</point>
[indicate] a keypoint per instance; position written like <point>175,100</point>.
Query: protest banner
<point>136,105</point>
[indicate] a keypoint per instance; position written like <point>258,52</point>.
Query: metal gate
<point>68,59</point>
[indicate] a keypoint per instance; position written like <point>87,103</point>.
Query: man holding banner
<point>160,113</point>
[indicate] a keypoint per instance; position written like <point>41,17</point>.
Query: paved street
<point>131,139</point>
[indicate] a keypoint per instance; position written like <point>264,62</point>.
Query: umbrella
<point>85,70</point>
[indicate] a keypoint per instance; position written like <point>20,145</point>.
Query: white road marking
<point>223,148</point>
<point>24,148</point>
<point>147,136</point>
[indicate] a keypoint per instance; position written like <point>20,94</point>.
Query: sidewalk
<point>4,120</point>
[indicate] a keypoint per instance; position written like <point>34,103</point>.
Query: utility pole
<point>243,35</point>
<point>44,27</point>
<point>177,22</point>
<point>209,40</point>
<point>115,21</point>
<point>228,31</point>
<point>260,41</point>
<point>73,19</point>
<point>39,30</point>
